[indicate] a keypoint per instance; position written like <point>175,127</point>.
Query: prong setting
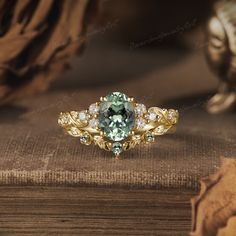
<point>131,99</point>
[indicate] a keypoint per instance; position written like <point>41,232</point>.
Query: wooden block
<point>93,211</point>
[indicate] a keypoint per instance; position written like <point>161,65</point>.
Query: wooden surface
<point>93,211</point>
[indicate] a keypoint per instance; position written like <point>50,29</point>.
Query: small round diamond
<point>160,130</point>
<point>94,109</point>
<point>140,109</point>
<point>93,123</point>
<point>140,123</point>
<point>152,116</point>
<point>117,148</point>
<point>83,116</point>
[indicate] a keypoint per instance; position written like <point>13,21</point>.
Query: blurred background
<point>121,41</point>
<point>133,37</point>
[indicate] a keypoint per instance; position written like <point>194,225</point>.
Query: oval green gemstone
<point>116,116</point>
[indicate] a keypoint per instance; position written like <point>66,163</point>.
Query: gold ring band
<point>117,123</point>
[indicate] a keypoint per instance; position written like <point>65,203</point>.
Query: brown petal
<point>216,202</point>
<point>230,229</point>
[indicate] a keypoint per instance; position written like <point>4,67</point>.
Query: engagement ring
<point>118,123</point>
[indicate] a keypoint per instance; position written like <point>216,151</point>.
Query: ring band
<point>117,123</point>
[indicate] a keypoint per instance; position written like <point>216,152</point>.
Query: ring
<point>117,123</point>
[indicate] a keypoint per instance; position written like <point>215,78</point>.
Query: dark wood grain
<point>93,211</point>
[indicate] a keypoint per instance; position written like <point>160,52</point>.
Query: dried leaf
<point>36,40</point>
<point>216,203</point>
<point>230,229</point>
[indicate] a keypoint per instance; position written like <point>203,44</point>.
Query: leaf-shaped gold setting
<point>156,121</point>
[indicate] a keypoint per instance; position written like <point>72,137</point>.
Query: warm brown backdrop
<point>84,190</point>
<point>35,151</point>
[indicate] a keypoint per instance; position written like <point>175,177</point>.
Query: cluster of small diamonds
<point>89,117</point>
<point>93,113</point>
<point>86,117</point>
<point>140,112</point>
<point>143,117</point>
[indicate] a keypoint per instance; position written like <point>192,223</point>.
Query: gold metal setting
<point>149,123</point>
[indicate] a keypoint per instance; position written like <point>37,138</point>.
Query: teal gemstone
<point>150,138</point>
<point>116,116</point>
<point>117,148</point>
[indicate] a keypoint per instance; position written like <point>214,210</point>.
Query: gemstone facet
<point>116,116</point>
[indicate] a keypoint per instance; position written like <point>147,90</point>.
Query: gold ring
<point>117,123</point>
